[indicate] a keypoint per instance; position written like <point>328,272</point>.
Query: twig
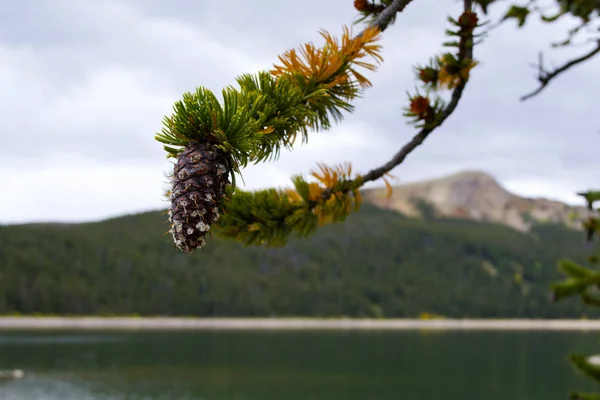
<point>417,140</point>
<point>545,77</point>
<point>385,17</point>
<point>420,137</point>
<point>382,22</point>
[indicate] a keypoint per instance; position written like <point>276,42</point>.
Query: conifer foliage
<point>584,281</point>
<point>308,91</point>
<point>269,111</point>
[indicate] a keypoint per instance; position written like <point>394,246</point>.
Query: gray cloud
<point>85,84</point>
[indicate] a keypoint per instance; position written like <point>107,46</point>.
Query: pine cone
<point>199,181</point>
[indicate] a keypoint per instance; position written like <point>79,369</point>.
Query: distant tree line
<point>377,264</point>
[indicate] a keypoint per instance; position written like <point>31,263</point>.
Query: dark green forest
<point>376,264</point>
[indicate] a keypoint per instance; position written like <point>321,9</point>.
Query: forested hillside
<point>377,264</point>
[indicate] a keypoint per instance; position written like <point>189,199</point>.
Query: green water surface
<point>293,365</point>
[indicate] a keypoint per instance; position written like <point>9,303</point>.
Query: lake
<point>294,365</point>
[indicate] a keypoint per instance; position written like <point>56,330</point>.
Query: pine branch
<point>420,137</point>
<point>544,77</point>
<point>310,88</point>
<point>386,16</point>
<point>268,217</point>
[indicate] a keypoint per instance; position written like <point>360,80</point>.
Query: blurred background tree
<point>584,281</point>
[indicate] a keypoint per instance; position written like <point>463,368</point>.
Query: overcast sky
<point>84,86</point>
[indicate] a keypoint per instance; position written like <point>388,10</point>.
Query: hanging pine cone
<point>199,180</point>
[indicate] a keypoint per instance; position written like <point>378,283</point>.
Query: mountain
<point>475,195</point>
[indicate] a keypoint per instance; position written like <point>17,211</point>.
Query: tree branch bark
<point>385,17</point>
<point>420,137</point>
<point>545,77</point>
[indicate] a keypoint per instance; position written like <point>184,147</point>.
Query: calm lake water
<point>293,365</point>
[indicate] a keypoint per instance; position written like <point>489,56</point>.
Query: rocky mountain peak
<point>474,194</point>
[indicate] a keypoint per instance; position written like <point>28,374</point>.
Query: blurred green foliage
<point>376,264</point>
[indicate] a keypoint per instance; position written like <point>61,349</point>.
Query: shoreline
<point>177,324</point>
